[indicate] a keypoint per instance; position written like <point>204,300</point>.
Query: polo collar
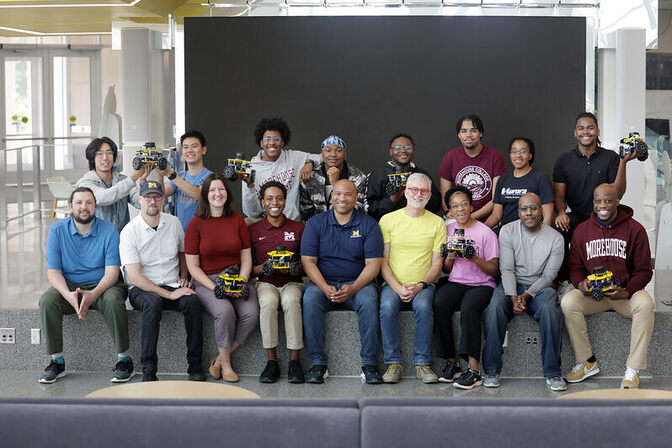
<point>268,226</point>
<point>145,226</point>
<point>355,219</point>
<point>72,228</point>
<point>579,154</point>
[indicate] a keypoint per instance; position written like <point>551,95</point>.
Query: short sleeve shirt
<point>510,188</point>
<point>475,173</point>
<point>265,238</point>
<point>218,241</point>
<point>185,207</point>
<point>487,247</point>
<point>342,250</point>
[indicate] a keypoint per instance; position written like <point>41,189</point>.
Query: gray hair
<point>423,177</point>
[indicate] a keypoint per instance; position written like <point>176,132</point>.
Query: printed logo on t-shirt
<point>606,247</point>
<point>289,236</point>
<point>285,177</point>
<point>355,234</point>
<point>475,179</point>
<point>513,193</point>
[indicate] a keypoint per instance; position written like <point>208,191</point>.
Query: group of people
<point>364,246</point>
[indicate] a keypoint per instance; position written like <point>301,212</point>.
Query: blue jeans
<point>543,308</point>
<point>390,304</point>
<point>315,307</point>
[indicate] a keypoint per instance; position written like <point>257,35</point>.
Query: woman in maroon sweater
<point>216,239</point>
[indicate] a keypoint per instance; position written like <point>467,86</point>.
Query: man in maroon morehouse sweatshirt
<point>610,238</point>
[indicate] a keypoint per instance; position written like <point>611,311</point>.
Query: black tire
<point>469,252</point>
<point>294,269</point>
<point>219,292</point>
<point>596,294</point>
<point>643,157</point>
<point>137,163</point>
<point>444,250</point>
<point>268,268</point>
<point>245,293</point>
<point>615,282</point>
<point>253,174</point>
<point>230,173</point>
<point>390,188</point>
<point>163,163</point>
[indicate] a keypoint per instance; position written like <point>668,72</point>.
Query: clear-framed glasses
<point>422,191</point>
<point>275,139</point>
<point>464,204</point>
<point>525,208</point>
<point>108,153</point>
<point>403,147</point>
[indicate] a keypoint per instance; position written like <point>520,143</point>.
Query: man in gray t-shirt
<point>530,255</point>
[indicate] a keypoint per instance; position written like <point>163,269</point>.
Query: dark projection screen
<point>368,78</point>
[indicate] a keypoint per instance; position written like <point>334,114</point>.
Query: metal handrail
<point>37,203</point>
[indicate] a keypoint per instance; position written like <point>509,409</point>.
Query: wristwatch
<point>424,284</point>
<point>172,176</point>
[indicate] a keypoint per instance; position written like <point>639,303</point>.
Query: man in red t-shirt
<point>284,286</point>
<point>473,165</point>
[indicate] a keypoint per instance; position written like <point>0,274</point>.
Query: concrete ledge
<point>88,345</point>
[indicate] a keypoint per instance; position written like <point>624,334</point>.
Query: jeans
<point>315,307</point>
<point>543,308</point>
<point>152,306</point>
<point>390,304</point>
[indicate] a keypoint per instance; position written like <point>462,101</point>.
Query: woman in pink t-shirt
<point>472,263</point>
<point>217,239</point>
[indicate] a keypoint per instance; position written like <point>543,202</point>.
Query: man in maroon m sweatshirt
<point>610,238</point>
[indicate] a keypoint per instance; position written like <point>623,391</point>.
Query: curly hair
<point>272,124</point>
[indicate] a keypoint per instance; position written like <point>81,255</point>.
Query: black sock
<point>591,359</point>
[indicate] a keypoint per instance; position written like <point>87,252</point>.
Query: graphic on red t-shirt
<point>475,179</point>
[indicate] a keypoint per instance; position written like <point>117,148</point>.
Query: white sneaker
<point>630,379</point>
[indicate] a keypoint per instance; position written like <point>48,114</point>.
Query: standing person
<point>186,185</point>
<point>209,255</point>
<point>473,165</point>
<point>152,253</point>
<point>280,288</point>
<point>411,264</point>
<point>524,179</point>
<point>468,289</point>
<point>275,162</point>
<point>378,200</point>
<point>530,254</point>
<point>113,190</point>
<point>611,239</point>
<point>341,252</point>
<point>83,271</point>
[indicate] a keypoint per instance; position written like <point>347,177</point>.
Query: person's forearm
<point>621,179</point>
<point>108,280</point>
<point>190,190</point>
<point>367,275</point>
<point>483,211</point>
<point>488,267</point>
<point>547,212</point>
<point>560,205</point>
<point>314,274</point>
<point>198,274</point>
<point>434,270</point>
<point>140,281</point>
<point>389,277</point>
<point>57,281</point>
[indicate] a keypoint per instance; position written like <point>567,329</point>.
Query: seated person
<point>612,239</point>
<point>208,256</point>
<point>411,264</point>
<point>468,289</point>
<point>83,271</point>
<point>275,162</point>
<point>152,253</point>
<point>524,179</point>
<point>341,252</point>
<point>316,191</point>
<point>530,254</point>
<point>113,190</point>
<point>378,200</point>
<point>280,288</point>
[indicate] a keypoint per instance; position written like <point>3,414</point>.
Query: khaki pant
<point>270,298</point>
<point>639,308</point>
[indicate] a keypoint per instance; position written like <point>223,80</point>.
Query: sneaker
<point>54,371</point>
<point>449,372</point>
<point>149,376</point>
<point>581,371</point>
<point>469,380</point>
<point>317,374</point>
<point>271,372</point>
<point>556,383</point>
<point>195,372</point>
<point>630,379</point>
<point>295,373</point>
<point>393,373</point>
<point>491,380</point>
<point>123,371</point>
<point>426,374</point>
<point>370,375</point>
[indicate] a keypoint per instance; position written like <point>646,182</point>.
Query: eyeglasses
<point>272,139</point>
<point>464,204</point>
<point>416,190</point>
<point>104,153</point>
<point>525,208</point>
<point>402,147</point>
<point>153,198</point>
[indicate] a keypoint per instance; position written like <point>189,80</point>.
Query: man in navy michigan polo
<point>341,252</point>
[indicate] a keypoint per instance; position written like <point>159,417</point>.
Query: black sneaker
<point>149,376</point>
<point>317,374</point>
<point>123,371</point>
<point>370,375</point>
<point>449,372</point>
<point>271,372</point>
<point>295,373</point>
<point>195,372</point>
<point>469,380</point>
<point>54,371</point>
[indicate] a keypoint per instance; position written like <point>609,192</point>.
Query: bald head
<point>344,196</point>
<point>605,202</point>
<point>606,188</point>
<point>530,212</point>
<point>530,198</point>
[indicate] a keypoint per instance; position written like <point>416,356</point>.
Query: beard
<point>83,221</point>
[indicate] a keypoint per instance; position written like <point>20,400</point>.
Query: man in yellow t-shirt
<point>411,264</point>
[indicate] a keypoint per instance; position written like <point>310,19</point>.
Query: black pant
<point>152,306</point>
<point>471,301</point>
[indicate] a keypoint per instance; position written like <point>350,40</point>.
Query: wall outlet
<point>506,339</point>
<point>531,337</point>
<point>35,336</point>
<point>7,336</point>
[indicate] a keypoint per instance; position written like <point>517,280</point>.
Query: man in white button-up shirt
<point>152,253</point>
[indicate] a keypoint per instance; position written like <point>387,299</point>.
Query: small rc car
<point>634,143</point>
<point>464,246</point>
<point>149,154</point>
<point>396,180</point>
<point>239,168</point>
<point>231,282</point>
<point>599,282</point>
<point>281,259</point>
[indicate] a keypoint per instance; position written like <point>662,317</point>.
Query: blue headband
<point>333,140</point>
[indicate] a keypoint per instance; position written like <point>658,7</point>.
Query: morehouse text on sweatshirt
<point>621,247</point>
